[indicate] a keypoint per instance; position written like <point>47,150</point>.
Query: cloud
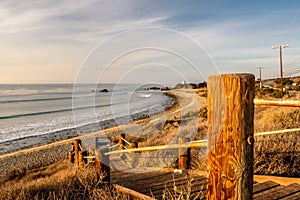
<point>60,34</point>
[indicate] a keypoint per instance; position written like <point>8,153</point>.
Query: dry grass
<point>277,154</point>
<point>59,181</point>
<point>184,192</point>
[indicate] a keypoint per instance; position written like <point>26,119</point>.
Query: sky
<point>59,41</point>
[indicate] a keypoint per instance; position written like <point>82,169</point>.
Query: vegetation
<point>267,92</point>
<point>190,85</point>
<point>59,181</point>
<point>277,154</point>
<point>285,81</point>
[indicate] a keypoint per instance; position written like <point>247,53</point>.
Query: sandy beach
<point>47,154</point>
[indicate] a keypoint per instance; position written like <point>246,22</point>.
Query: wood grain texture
<point>121,141</point>
<point>184,154</point>
<point>76,144</point>
<point>230,127</point>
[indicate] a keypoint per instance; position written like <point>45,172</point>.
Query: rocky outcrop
<point>165,88</point>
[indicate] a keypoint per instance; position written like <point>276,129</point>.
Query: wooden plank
<point>295,196</point>
<point>140,184</point>
<point>156,182</point>
<point>171,183</point>
<point>134,178</point>
<point>133,194</point>
<point>278,192</point>
<point>260,187</point>
<point>196,185</point>
<point>230,136</point>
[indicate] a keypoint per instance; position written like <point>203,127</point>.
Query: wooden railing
<point>230,138</point>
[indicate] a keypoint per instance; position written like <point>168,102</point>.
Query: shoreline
<point>51,152</point>
<point>28,142</point>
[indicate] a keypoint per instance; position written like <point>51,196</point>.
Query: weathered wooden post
<point>71,156</point>
<point>230,136</point>
<point>80,160</point>
<point>133,145</point>
<point>102,161</point>
<point>77,142</point>
<point>183,154</point>
<point>121,141</point>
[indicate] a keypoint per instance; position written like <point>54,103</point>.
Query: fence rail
<point>161,147</point>
<point>288,103</point>
<point>230,138</point>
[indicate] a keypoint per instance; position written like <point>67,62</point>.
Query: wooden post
<point>71,156</point>
<point>76,150</point>
<point>230,136</point>
<point>121,141</point>
<point>102,161</point>
<point>133,145</point>
<point>80,160</point>
<point>183,154</point>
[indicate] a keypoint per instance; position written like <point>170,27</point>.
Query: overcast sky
<point>55,41</point>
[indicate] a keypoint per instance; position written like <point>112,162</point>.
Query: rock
<point>103,90</point>
<point>165,88</point>
<point>154,88</point>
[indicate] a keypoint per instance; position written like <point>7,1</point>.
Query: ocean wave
<point>145,95</point>
<point>52,111</point>
<point>32,100</point>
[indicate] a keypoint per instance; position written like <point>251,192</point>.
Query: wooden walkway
<point>160,184</point>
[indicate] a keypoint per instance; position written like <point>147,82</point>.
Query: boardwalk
<point>159,183</point>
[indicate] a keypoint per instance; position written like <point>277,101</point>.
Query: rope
<point>192,144</point>
<point>197,141</point>
<point>162,147</point>
<point>80,147</point>
<point>279,131</point>
<point>126,141</point>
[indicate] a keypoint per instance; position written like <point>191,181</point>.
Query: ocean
<point>30,113</point>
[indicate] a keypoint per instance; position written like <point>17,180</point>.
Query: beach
<point>41,156</point>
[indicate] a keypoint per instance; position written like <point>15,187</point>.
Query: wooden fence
<point>230,139</point>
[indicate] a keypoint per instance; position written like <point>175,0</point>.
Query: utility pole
<point>260,81</point>
<point>281,74</point>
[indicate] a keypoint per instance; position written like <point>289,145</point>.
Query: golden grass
<point>277,154</point>
<point>59,181</point>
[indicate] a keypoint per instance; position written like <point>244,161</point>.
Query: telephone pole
<point>260,81</point>
<point>281,74</point>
